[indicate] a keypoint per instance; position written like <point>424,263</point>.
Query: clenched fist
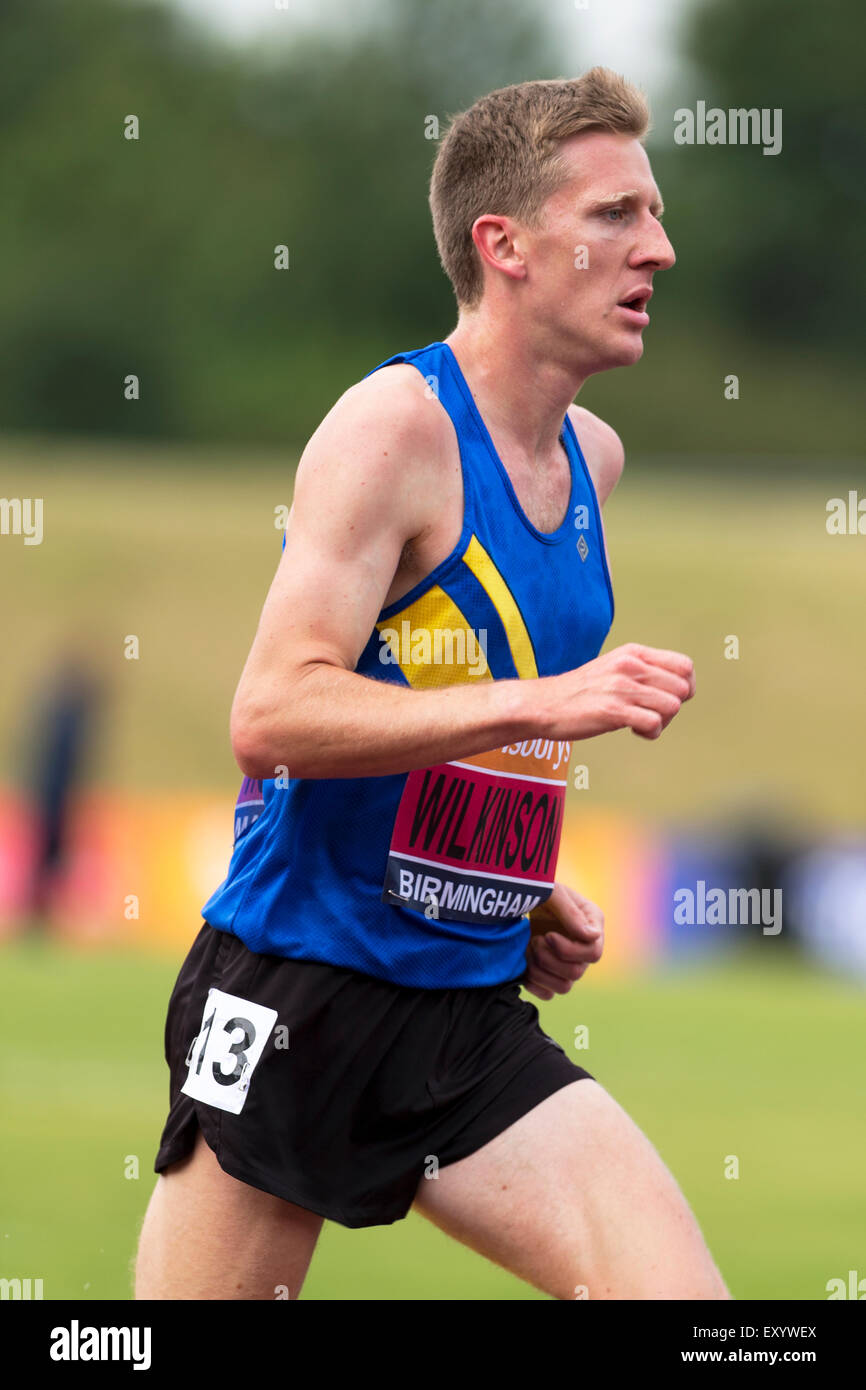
<point>632,687</point>
<point>567,936</point>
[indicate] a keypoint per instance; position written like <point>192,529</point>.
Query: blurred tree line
<point>156,256</point>
<point>785,234</point>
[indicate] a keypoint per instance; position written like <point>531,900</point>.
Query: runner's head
<point>545,208</point>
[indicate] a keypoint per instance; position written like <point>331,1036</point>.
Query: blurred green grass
<point>178,547</point>
<point>748,1056</point>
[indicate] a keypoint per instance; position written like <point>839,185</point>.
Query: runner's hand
<point>632,687</point>
<point>567,936</point>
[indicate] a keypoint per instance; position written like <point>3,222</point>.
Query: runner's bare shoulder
<point>388,429</point>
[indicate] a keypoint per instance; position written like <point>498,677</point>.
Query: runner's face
<point>600,245</point>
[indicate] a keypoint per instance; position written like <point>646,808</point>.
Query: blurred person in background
<point>63,734</point>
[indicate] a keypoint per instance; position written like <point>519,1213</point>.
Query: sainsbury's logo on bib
<point>477,840</point>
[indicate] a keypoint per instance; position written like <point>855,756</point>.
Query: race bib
<point>224,1053</point>
<point>477,840</point>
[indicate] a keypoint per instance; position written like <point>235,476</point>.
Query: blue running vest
<point>427,878</point>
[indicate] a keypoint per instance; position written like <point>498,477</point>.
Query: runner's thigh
<point>574,1199</point>
<point>208,1236</point>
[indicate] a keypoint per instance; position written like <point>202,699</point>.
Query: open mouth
<point>635,305</point>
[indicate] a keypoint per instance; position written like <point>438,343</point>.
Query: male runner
<point>346,1037</point>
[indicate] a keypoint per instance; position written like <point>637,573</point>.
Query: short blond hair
<point>502,157</point>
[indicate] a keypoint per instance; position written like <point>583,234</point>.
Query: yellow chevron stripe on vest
<point>501,597</point>
<point>433,644</point>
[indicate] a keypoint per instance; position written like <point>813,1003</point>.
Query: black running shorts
<point>337,1091</point>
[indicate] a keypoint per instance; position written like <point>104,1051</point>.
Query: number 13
<point>236,1049</point>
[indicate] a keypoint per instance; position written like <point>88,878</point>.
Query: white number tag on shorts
<point>224,1054</point>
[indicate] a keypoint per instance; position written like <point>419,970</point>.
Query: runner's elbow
<point>253,745</point>
<point>249,753</point>
<point>279,735</point>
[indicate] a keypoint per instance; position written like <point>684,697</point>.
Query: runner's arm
<point>363,489</point>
